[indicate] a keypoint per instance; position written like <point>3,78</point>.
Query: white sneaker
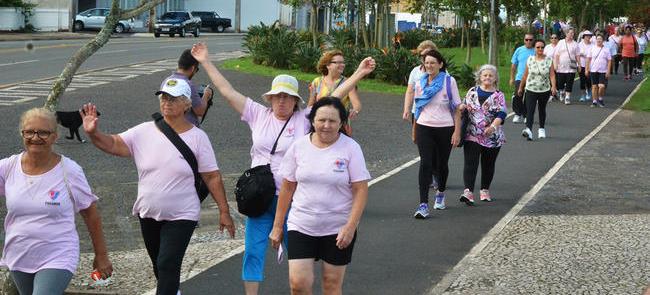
<point>567,101</point>
<point>516,119</point>
<point>541,133</point>
<point>527,134</point>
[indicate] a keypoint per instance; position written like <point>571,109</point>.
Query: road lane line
<point>18,62</point>
<point>112,51</point>
<point>453,275</point>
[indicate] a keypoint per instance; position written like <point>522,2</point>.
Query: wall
<point>252,11</point>
<point>10,19</point>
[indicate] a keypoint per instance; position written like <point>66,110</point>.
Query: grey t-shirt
<point>196,99</point>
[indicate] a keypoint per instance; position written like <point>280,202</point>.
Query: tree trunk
<point>468,57</point>
<point>65,78</point>
<point>494,50</point>
<point>462,35</point>
<point>362,22</point>
<point>152,19</point>
<point>482,34</point>
<point>313,25</point>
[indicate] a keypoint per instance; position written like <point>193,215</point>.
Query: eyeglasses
<point>338,62</point>
<point>42,134</point>
<point>553,37</point>
<point>528,40</point>
<point>169,98</point>
<point>539,47</point>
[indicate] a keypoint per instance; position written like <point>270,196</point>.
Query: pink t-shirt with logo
<point>437,113</point>
<point>265,128</point>
<point>165,180</point>
<point>600,56</point>
<point>323,198</point>
<point>39,228</point>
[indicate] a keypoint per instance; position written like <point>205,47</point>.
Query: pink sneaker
<point>485,196</point>
<point>467,197</point>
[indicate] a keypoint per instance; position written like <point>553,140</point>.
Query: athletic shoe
<point>467,197</point>
<point>485,196</point>
<point>541,133</point>
<point>525,120</point>
<point>527,134</point>
<point>440,201</point>
<point>434,183</point>
<point>594,103</point>
<point>567,101</point>
<point>601,103</point>
<point>583,98</point>
<point>422,212</point>
<point>516,119</point>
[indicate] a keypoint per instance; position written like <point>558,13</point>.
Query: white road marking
<point>112,51</point>
<point>450,277</point>
<point>18,62</point>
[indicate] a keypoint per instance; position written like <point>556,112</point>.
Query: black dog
<point>72,121</point>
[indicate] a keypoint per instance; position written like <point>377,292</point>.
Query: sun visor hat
<point>284,83</point>
<point>175,87</point>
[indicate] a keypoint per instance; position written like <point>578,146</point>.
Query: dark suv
<point>211,19</point>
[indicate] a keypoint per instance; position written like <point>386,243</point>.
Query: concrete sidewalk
<point>585,231</point>
<point>12,36</point>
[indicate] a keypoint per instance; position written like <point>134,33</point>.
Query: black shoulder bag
<point>188,155</point>
<point>255,188</point>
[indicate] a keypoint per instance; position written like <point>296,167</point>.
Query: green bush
<point>451,38</point>
<point>271,45</point>
<point>395,66</point>
<point>306,36</point>
<point>341,38</point>
<point>412,38</point>
<point>306,57</point>
<point>464,76</point>
<point>354,56</point>
<point>512,35</point>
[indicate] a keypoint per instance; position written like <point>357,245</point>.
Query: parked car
<point>96,17</point>
<point>177,22</point>
<point>212,20</point>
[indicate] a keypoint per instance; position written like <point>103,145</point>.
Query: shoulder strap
<point>182,147</point>
<point>67,184</point>
<point>452,107</point>
<point>275,144</point>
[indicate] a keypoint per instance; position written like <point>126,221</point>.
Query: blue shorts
<point>257,241</point>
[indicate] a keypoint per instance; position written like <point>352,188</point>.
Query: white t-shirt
<point>323,198</point>
<point>584,50</point>
<point>265,128</point>
<point>414,76</point>
<point>437,113</point>
<point>600,57</point>
<point>549,50</point>
<point>565,53</point>
<point>165,180</point>
<point>40,230</point>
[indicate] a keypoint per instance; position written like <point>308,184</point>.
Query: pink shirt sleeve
<point>4,169</point>
<point>357,166</point>
<point>205,155</point>
<point>289,164</point>
<point>129,137</point>
<point>81,193</point>
<point>454,91</point>
<point>252,111</point>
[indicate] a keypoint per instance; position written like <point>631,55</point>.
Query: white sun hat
<point>284,83</point>
<point>176,87</point>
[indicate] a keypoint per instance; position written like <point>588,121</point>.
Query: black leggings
<point>434,145</point>
<point>585,82</point>
<point>488,158</point>
<point>166,242</point>
<point>639,61</point>
<point>518,102</point>
<point>628,65</point>
<point>565,81</point>
<point>534,99</point>
<point>616,60</point>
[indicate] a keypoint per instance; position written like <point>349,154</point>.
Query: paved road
<point>47,58</point>
<point>396,254</point>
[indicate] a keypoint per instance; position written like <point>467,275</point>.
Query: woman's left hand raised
<point>455,139</point>
<point>366,66</point>
<point>345,236</point>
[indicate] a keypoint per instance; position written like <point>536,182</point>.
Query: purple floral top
<point>482,116</point>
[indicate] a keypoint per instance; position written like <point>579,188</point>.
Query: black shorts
<point>301,246</point>
<point>597,78</point>
<point>565,81</point>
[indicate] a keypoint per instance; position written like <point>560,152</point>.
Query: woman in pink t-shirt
<point>43,190</point>
<point>599,64</point>
<point>267,124</point>
<point>325,181</point>
<point>167,204</point>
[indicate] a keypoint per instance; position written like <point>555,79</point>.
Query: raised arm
<point>366,67</point>
<point>108,143</point>
<point>236,100</point>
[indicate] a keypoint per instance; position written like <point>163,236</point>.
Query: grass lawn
<point>641,99</point>
<point>246,65</point>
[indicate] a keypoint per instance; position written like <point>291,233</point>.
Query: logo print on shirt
<point>54,195</point>
<point>289,131</point>
<point>340,165</point>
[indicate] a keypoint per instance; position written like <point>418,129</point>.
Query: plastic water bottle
<point>98,281</point>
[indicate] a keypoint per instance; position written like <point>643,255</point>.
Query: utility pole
<point>238,16</point>
<point>493,50</point>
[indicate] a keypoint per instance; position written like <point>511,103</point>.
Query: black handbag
<point>255,188</point>
<point>188,155</point>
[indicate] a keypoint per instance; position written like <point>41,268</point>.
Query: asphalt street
<point>47,58</point>
<point>396,254</point>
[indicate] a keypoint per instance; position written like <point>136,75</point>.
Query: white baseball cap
<point>284,83</point>
<point>176,87</point>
